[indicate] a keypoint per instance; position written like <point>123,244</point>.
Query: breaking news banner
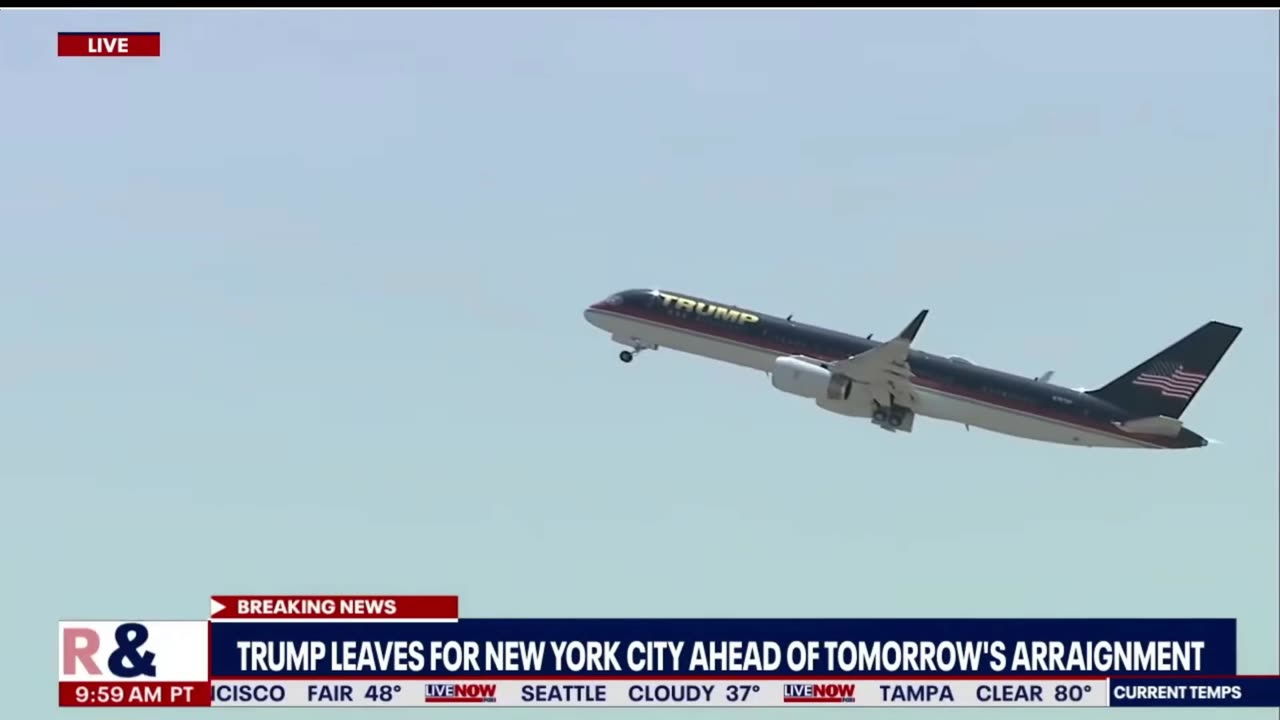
<point>401,651</point>
<point>108,44</point>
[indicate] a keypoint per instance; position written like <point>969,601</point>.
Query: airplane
<point>891,383</point>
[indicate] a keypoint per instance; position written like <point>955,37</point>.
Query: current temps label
<point>866,693</point>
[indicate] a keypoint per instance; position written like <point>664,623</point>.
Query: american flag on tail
<point>1171,380</point>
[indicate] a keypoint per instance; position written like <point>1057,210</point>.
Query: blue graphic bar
<point>726,648</point>
<point>1245,691</point>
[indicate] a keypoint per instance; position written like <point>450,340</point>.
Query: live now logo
<point>115,44</point>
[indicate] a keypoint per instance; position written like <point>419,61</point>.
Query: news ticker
<point>395,651</point>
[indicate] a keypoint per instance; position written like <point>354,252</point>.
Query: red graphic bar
<point>333,607</point>
<point>109,44</point>
<point>134,694</point>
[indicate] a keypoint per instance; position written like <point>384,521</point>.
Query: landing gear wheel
<point>879,415</point>
<point>895,420</point>
<point>626,356</point>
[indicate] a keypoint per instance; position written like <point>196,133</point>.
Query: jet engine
<point>797,376</point>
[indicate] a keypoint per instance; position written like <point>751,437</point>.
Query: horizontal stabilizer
<point>1157,425</point>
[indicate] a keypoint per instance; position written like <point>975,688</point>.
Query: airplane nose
<point>592,316</point>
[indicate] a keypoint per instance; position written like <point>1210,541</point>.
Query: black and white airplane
<point>890,383</point>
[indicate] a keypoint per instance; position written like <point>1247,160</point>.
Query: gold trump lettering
<point>719,312</point>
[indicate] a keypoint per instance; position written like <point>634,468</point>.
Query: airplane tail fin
<point>1166,383</point>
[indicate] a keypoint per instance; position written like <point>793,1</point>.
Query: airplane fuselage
<point>946,388</point>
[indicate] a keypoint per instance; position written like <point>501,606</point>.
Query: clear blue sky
<point>297,307</point>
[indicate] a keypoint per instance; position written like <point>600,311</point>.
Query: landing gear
<point>636,346</point>
<point>891,418</point>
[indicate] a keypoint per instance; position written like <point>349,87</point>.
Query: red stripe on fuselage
<point>721,332</point>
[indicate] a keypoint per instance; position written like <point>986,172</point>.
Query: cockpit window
<point>613,300</point>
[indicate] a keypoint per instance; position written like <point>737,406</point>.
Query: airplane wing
<point>884,369</point>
